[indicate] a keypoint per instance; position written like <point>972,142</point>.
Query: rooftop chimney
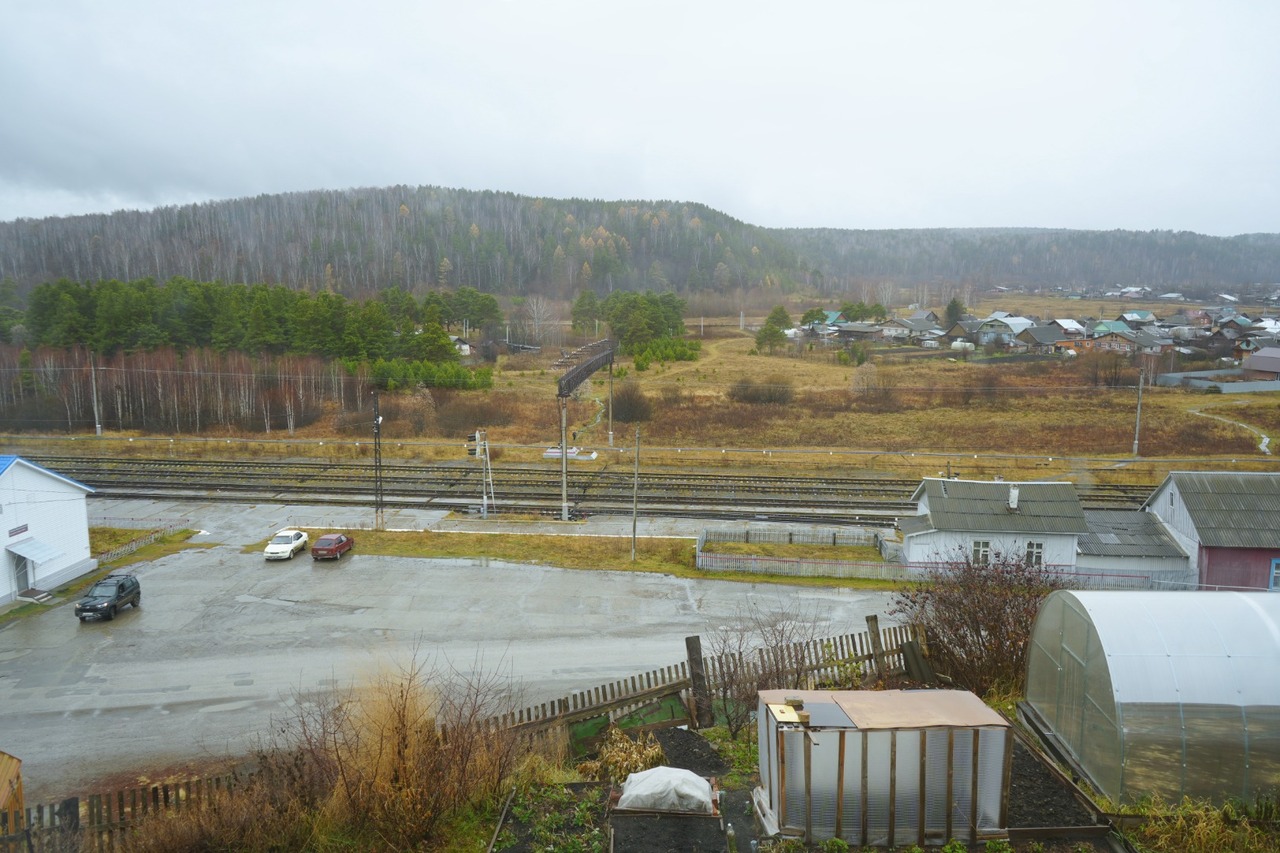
<point>1013,498</point>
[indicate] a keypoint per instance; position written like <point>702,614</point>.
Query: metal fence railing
<point>804,567</point>
<point>170,526</point>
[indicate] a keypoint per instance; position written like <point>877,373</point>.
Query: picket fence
<point>100,821</point>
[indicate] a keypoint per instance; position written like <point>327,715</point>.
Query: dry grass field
<point>905,412</point>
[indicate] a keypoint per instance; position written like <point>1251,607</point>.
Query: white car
<point>285,544</point>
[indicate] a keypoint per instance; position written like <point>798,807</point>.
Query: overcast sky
<point>847,114</point>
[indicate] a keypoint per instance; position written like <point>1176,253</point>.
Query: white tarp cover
<point>667,789</point>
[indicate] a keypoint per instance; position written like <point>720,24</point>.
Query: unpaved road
<point>224,642</point>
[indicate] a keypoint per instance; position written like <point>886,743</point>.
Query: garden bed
<point>1045,812</point>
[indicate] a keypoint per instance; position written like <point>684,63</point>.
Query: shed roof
<point>1231,509</point>
<point>896,709</point>
<point>1043,334</point>
<point>973,505</point>
<point>1266,359</point>
<point>1126,533</point>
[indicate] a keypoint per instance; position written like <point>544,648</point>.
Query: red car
<point>331,546</point>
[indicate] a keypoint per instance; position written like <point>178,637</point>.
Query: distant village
<point>1235,339</point>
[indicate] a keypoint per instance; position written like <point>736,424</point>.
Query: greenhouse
<point>1161,693</point>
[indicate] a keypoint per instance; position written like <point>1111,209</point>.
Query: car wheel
<point>111,614</point>
<point>137,602</point>
<point>81,618</point>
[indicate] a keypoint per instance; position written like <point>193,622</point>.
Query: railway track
<point>457,486</point>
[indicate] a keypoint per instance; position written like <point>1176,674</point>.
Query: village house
<point>1263,364</point>
<point>1226,523</point>
<point>985,520</point>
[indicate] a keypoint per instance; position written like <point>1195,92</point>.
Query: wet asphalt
<point>225,644</point>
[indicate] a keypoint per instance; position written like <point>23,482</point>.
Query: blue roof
<point>7,462</point>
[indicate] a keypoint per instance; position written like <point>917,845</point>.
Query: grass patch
<point>794,551</point>
<point>104,539</point>
<point>741,754</point>
<point>163,547</point>
<point>667,556</point>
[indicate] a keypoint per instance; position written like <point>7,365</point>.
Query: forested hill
<point>358,242</point>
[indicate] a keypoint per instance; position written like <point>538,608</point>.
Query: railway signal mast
<point>478,445</point>
<point>379,520</point>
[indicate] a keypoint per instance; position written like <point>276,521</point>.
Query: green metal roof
<point>1127,533</point>
<point>1232,510</point>
<point>973,505</point>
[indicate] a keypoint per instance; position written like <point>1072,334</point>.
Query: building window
<point>981,552</point>
<point>1035,554</point>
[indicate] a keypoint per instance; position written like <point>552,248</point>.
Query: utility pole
<point>93,386</point>
<point>1137,424</point>
<point>635,497</point>
<point>564,458</point>
<point>379,522</point>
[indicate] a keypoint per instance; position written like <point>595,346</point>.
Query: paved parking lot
<point>224,642</point>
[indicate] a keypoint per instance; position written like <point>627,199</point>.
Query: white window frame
<point>981,553</point>
<point>1035,554</point>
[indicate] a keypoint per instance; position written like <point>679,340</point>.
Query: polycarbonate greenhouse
<point>1168,693</point>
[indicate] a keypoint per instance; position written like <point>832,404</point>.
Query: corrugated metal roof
<point>1126,533</point>
<point>972,505</point>
<point>1232,510</point>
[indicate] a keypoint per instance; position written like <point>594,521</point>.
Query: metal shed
<point>1168,693</point>
<point>883,767</point>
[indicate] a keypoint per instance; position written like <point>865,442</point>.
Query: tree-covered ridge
<point>361,241</point>
<point>1192,263</point>
<point>358,242</point>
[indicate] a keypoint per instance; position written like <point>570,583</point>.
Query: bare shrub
<point>978,618</point>
<point>620,756</point>
<point>760,650</point>
<point>773,390</point>
<point>237,819</point>
<point>416,749</point>
<point>874,391</point>
<point>389,763</point>
<point>631,404</point>
<point>674,395</point>
<point>462,415</point>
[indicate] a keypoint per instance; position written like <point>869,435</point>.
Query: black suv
<point>108,595</point>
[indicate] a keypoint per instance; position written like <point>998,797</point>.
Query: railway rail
<point>457,486</point>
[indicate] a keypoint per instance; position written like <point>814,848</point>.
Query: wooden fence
<point>100,821</point>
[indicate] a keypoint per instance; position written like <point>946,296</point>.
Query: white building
<point>45,518</point>
<point>983,520</point>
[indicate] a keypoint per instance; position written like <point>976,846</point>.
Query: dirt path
<point>1263,445</point>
